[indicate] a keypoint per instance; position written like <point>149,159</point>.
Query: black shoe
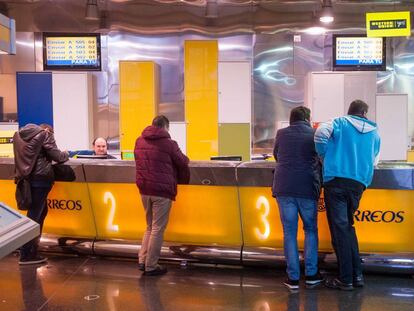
<point>141,266</point>
<point>314,280</point>
<point>358,281</point>
<point>160,270</point>
<point>338,284</point>
<point>291,284</point>
<point>32,261</point>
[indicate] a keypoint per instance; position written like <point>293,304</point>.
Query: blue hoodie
<point>349,147</point>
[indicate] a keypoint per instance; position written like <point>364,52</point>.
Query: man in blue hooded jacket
<point>349,147</point>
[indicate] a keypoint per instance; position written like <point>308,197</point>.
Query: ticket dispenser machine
<point>15,230</point>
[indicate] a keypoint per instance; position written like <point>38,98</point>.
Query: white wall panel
<point>325,95</point>
<point>363,86</point>
<point>72,110</point>
<point>329,94</point>
<point>234,88</point>
<point>178,133</point>
<point>392,121</point>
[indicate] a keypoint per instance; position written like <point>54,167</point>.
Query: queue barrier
<point>226,214</point>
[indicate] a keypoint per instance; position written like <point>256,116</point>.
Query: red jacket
<point>160,164</point>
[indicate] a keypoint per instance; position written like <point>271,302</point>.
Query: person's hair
<point>94,141</point>
<point>358,108</point>
<point>300,113</point>
<point>161,122</point>
<point>47,127</point>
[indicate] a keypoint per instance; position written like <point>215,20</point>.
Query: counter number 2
<point>109,198</point>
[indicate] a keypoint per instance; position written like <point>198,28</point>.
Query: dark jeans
<point>37,212</point>
<point>341,204</point>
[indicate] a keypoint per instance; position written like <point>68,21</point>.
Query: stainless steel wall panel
<point>255,174</point>
<point>172,251</point>
<point>109,171</point>
<point>38,51</point>
<point>55,243</point>
<point>100,106</point>
<point>217,173</point>
<point>236,47</point>
<point>275,87</point>
<point>400,74</point>
<point>261,31</point>
<point>166,51</point>
<point>386,176</point>
<point>392,262</point>
<point>24,58</point>
<point>308,53</point>
<point>7,169</point>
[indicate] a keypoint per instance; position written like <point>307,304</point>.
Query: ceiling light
<point>92,11</point>
<point>211,9</point>
<point>315,30</point>
<point>326,15</point>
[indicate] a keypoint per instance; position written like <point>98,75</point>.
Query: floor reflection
<point>32,290</point>
<point>81,283</point>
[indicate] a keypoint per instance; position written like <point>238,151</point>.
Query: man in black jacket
<point>296,186</point>
<point>34,149</point>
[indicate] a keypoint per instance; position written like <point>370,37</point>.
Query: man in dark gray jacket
<point>296,186</point>
<point>34,149</point>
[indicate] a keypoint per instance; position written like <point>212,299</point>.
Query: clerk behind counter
<point>100,151</point>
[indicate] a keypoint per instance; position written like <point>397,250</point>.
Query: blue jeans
<point>290,208</point>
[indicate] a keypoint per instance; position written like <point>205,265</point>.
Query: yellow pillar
<point>139,96</point>
<point>201,98</point>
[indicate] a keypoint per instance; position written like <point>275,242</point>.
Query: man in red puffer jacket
<point>160,165</point>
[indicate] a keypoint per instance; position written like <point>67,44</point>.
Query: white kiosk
<point>15,230</point>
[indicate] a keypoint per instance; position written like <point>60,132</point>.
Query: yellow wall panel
<point>139,96</point>
<point>201,98</point>
<point>69,208</point>
<point>261,221</point>
<point>384,221</point>
<point>410,156</point>
<point>119,214</point>
<point>4,34</point>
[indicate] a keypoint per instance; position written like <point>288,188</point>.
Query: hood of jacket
<point>360,124</point>
<point>152,132</point>
<point>29,131</point>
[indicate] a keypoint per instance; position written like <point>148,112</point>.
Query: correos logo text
<point>379,216</point>
<point>70,205</point>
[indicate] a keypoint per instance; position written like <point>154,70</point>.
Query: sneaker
<point>141,266</point>
<point>338,284</point>
<point>291,284</point>
<point>160,270</point>
<point>314,280</point>
<point>32,261</point>
<point>358,281</point>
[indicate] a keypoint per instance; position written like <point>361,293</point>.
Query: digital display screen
<point>71,51</point>
<point>358,53</point>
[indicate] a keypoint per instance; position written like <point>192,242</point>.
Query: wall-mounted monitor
<point>358,52</point>
<point>71,51</point>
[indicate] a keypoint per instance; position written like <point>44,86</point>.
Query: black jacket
<point>298,168</point>
<point>34,150</point>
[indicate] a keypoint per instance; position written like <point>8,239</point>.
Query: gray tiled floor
<point>84,283</point>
